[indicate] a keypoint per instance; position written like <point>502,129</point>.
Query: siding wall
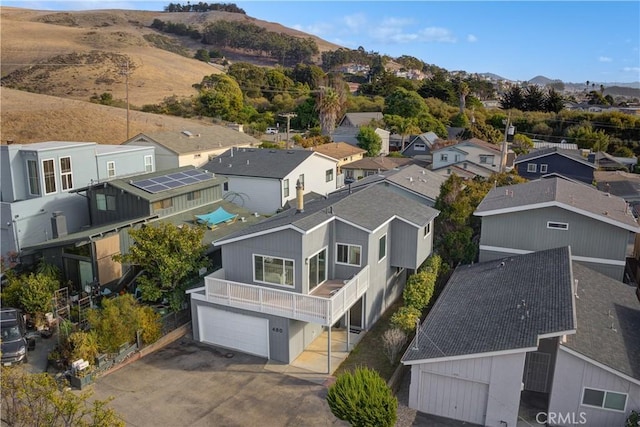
<point>257,194</point>
<point>557,164</point>
<point>164,158</point>
<point>127,163</point>
<point>314,169</point>
<point>572,374</point>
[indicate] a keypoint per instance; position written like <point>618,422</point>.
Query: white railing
<point>307,308</point>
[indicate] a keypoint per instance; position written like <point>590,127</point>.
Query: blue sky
<point>574,41</point>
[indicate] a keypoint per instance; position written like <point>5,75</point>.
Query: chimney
<point>58,225</point>
<point>300,196</point>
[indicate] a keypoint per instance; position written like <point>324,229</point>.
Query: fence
<point>172,321</point>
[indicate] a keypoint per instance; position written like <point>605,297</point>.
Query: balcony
<point>326,305</point>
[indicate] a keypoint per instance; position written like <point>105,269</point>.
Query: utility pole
<point>288,116</point>
<point>124,71</point>
<point>508,130</point>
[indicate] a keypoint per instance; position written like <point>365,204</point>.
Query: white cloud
<point>631,69</point>
<point>471,38</point>
<point>355,22</point>
<point>321,29</point>
<point>604,59</point>
<point>436,34</point>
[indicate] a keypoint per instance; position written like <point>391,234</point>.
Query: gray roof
<point>360,119</point>
<point>608,321</point>
<point>413,178</point>
<point>570,154</point>
<point>577,197</point>
<point>500,305</point>
<point>619,183</point>
<point>258,162</point>
<point>367,207</point>
<point>198,138</point>
<point>125,184</point>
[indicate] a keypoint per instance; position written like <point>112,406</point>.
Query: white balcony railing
<point>308,308</point>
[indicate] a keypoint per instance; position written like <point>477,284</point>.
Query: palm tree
<point>404,127</point>
<point>463,91</point>
<point>328,105</point>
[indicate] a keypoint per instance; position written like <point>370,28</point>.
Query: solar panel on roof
<point>172,180</point>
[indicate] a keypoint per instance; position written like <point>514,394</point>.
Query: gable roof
<point>359,119</point>
<point>608,321</point>
<point>579,198</point>
<point>569,154</point>
<point>481,144</point>
<point>258,162</point>
<point>471,170</point>
<point>620,183</point>
<point>412,178</point>
<point>338,150</point>
<point>366,208</point>
<point>197,138</point>
<point>381,163</point>
<point>499,306</point>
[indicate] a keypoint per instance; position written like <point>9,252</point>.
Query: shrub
<point>405,318</point>
<point>150,325</point>
<point>363,399</point>
<point>633,419</point>
<point>392,342</point>
<point>81,345</point>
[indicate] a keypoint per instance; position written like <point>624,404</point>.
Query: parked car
<point>272,131</point>
<point>13,332</point>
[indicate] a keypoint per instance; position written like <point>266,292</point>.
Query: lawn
<point>369,351</point>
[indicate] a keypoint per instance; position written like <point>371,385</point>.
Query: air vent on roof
<point>289,152</point>
<point>187,133</point>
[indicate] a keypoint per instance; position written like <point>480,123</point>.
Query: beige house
<point>193,146</point>
<point>341,151</point>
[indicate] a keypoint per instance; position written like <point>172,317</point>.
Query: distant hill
<point>543,81</point>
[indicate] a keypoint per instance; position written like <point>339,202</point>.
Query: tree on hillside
<point>168,255</point>
<point>405,103</point>
<point>522,144</point>
<point>463,91</point>
<point>553,102</point>
<point>220,96</point>
<point>36,400</point>
<point>369,140</point>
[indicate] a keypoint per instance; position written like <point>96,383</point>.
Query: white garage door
<point>453,397</point>
<point>235,331</point>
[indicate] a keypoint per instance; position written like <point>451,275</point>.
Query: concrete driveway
<point>190,384</point>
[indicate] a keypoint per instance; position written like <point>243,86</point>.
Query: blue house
<point>568,163</point>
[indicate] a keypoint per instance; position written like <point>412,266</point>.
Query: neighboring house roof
<point>338,150</point>
<point>539,144</point>
<point>359,119</point>
<point>51,145</point>
<point>378,163</point>
<point>413,178</point>
<point>482,144</point>
<point>606,160</point>
<point>619,183</point>
<point>569,154</point>
<point>579,198</point>
<point>470,170</point>
<point>198,138</point>
<point>608,321</point>
<point>258,162</point>
<point>366,208</point>
<point>498,306</point>
<point>126,184</point>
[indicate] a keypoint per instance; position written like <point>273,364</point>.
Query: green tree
<point>405,103</point>
<point>36,400</point>
<point>369,140</point>
<point>463,91</point>
<point>522,144</point>
<point>553,101</point>
<point>403,126</point>
<point>168,255</point>
<point>33,293</point>
<point>363,399</point>
<point>586,137</point>
<point>202,55</point>
<point>220,96</point>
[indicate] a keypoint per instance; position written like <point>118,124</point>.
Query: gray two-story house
<point>39,180</point>
<point>336,261</point>
<point>555,212</point>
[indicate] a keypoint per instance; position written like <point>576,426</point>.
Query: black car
<point>13,337</point>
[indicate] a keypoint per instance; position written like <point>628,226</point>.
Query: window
<point>444,157</point>
<point>419,147</point>
<point>318,269</point>
<point>163,204</point>
<point>225,186</point>
<point>34,178</point>
<point>486,159</point>
<point>111,169</point>
<point>49,175</point>
<point>65,173</point>
<point>382,248</point>
<point>604,399</point>
<point>369,173</point>
<point>457,158</point>
<point>197,156</point>
<point>557,225</point>
<point>348,254</point>
<point>543,168</point>
<point>329,175</point>
<point>275,271</point>
<point>148,163</point>
<point>194,195</point>
<point>105,202</point>
<point>427,230</point>
<point>532,167</point>
<point>285,187</point>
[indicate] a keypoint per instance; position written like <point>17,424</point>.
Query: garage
<point>234,331</point>
<point>452,397</point>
